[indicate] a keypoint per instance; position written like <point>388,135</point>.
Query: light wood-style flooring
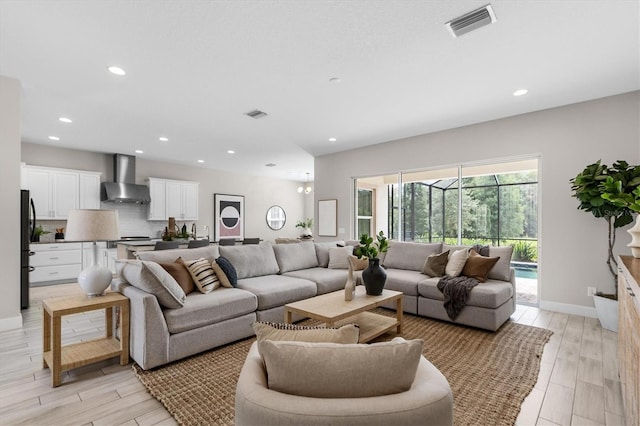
<point>578,382</point>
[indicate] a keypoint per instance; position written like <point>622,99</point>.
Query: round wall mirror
<point>276,218</point>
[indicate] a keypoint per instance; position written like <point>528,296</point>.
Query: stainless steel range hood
<point>124,189</point>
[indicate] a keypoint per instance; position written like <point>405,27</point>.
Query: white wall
<point>567,138</point>
<point>9,188</point>
<point>260,193</point>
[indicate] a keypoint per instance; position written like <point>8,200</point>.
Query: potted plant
<point>305,225</point>
<point>374,276</point>
<point>604,192</point>
<point>38,230</point>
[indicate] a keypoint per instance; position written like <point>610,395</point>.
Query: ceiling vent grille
<point>256,113</point>
<point>471,21</point>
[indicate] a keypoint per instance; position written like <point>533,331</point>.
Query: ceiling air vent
<point>256,113</point>
<point>471,21</point>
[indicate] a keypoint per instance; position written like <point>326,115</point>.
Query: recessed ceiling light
<point>116,70</point>
<point>200,161</point>
<point>163,139</point>
<point>65,120</point>
<point>139,151</point>
<point>332,139</point>
<point>54,138</point>
<point>335,80</point>
<point>520,92</point>
<point>231,151</point>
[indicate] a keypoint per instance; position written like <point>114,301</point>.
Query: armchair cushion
<point>348,333</point>
<point>333,370</point>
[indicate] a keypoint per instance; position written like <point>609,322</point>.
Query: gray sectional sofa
<point>270,276</point>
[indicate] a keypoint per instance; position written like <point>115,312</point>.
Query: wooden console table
<point>62,358</point>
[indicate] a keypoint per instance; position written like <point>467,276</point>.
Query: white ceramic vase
<point>635,238</point>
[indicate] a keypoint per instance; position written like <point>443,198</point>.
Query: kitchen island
<point>128,249</point>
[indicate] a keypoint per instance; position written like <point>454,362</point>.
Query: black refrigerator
<point>27,227</point>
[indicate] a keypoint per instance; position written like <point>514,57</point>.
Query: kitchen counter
<point>127,249</point>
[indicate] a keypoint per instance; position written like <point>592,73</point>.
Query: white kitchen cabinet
<point>56,191</point>
<point>60,262</point>
<point>112,256</point>
<point>173,198</point>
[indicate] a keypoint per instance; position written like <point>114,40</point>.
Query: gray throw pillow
<point>152,278</point>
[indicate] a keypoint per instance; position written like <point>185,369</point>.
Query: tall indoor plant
<point>374,276</point>
<point>604,192</point>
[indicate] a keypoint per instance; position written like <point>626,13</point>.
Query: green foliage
<point>39,230</point>
<point>307,223</point>
<point>525,251</point>
<point>370,249</point>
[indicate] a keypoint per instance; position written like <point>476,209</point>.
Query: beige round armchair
<point>428,401</point>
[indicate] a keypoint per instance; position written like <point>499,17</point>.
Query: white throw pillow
<point>456,262</point>
<point>339,257</point>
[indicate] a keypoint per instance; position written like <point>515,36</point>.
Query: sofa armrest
<point>513,284</point>
<point>148,333</point>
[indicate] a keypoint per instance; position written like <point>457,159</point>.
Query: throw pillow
<point>478,266</point>
<point>224,281</point>
<point>502,269</point>
<point>435,264</point>
<point>358,264</point>
<point>456,262</point>
<point>152,278</point>
<point>339,257</point>
<point>181,274</point>
<point>334,370</point>
<point>228,269</point>
<point>203,274</point>
<point>348,333</point>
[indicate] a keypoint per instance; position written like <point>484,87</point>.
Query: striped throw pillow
<point>203,274</point>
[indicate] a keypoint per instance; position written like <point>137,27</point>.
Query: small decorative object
<point>59,234</point>
<point>39,230</point>
<point>305,225</point>
<point>635,238</point>
<point>93,225</point>
<point>374,276</point>
<point>350,286</point>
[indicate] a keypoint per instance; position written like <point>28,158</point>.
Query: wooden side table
<point>62,358</point>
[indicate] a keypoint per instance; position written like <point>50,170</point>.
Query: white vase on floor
<point>607,310</point>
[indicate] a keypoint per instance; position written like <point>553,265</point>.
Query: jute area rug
<point>490,374</point>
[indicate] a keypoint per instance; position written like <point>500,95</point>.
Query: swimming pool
<point>525,270</point>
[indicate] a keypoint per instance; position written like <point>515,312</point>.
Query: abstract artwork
<point>228,219</point>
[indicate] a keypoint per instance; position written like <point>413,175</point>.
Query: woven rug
<point>490,373</point>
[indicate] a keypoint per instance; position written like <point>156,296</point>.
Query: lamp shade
<point>92,225</point>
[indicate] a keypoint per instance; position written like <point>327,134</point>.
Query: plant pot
<point>35,239</point>
<point>374,277</point>
<point>607,310</point>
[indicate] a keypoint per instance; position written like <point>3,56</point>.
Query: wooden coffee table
<point>333,310</point>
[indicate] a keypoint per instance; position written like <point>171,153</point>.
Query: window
<point>365,212</point>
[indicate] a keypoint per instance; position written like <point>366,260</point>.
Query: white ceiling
<point>195,67</point>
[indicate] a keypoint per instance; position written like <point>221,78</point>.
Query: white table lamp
<point>93,225</point>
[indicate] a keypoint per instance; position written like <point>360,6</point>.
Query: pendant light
<point>307,188</point>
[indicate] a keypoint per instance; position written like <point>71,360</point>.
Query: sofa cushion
<point>339,257</point>
<point>277,290</point>
<point>152,278</point>
<point>403,280</point>
<point>333,370</point>
<point>478,266</point>
<point>252,260</point>
<point>411,256</point>
<point>348,333</point>
<point>203,274</point>
<point>327,280</point>
<point>168,256</point>
<point>322,252</point>
<point>181,274</point>
<point>435,264</point>
<point>502,269</point>
<point>200,309</point>
<point>456,262</point>
<point>490,294</point>
<point>291,257</point>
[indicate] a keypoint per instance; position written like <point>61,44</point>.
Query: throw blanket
<point>456,293</point>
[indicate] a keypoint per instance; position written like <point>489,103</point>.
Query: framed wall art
<point>327,212</point>
<point>228,216</point>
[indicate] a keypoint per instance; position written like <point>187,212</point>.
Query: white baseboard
<point>11,323</point>
<point>566,308</point>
